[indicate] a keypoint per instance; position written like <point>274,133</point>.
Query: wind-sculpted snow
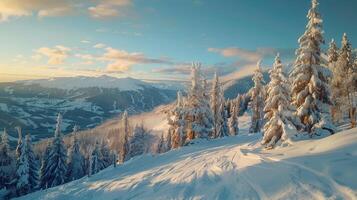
<point>229,168</point>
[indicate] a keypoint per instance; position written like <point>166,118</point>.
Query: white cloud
<point>99,46</point>
<point>41,8</point>
<point>56,55</point>
<point>109,8</point>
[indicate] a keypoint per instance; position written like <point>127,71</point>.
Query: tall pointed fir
<point>57,159</point>
<point>278,112</point>
<point>217,108</point>
<point>33,165</point>
<point>233,120</point>
<point>75,162</point>
<point>22,167</point>
<point>137,141</point>
<point>198,115</point>
<point>257,96</point>
<point>310,90</point>
<point>339,82</point>
<point>332,54</point>
<point>177,123</point>
<point>95,155</point>
<point>125,138</point>
<point>106,157</point>
<point>44,174</point>
<point>5,160</point>
<point>346,65</point>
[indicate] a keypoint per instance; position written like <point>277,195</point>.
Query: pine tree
<point>216,102</point>
<point>22,167</point>
<point>44,176</point>
<point>197,113</point>
<point>33,165</point>
<point>57,165</point>
<point>75,159</point>
<point>137,141</point>
<point>168,140</point>
<point>95,159</point>
<point>125,144</point>
<point>177,123</point>
<point>339,83</point>
<point>332,53</point>
<point>233,120</point>
<point>257,103</point>
<point>310,91</point>
<point>278,112</point>
<point>5,160</point>
<point>105,155</point>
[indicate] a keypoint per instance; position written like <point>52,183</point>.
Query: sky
<point>156,39</point>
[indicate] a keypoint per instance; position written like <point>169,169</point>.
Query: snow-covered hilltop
<point>229,168</point>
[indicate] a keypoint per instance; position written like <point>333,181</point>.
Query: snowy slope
<point>229,168</point>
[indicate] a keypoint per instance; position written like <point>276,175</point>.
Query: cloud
<point>56,55</point>
<point>99,46</point>
<point>121,60</point>
<point>109,8</point>
<point>41,8</point>
<point>85,41</point>
<point>238,52</point>
<point>49,8</point>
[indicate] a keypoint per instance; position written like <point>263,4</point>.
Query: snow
<point>228,168</point>
<point>124,84</point>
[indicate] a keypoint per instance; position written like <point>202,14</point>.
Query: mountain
<point>229,168</point>
<point>85,101</point>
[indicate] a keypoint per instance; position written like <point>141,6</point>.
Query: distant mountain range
<point>86,101</point>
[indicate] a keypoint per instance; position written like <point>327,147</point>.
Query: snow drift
<point>228,168</point>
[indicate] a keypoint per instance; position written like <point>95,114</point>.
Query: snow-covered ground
<point>228,168</point>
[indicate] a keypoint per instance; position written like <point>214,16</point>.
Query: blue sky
<point>155,39</point>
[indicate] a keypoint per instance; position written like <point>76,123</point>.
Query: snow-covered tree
<point>197,112</point>
<point>22,166</point>
<point>105,155</point>
<point>177,123</point>
<point>137,141</point>
<point>332,53</point>
<point>57,159</point>
<point>5,160</point>
<point>125,138</point>
<point>95,159</point>
<point>33,178</point>
<point>339,83</point>
<point>44,175</point>
<point>216,107</point>
<point>278,112</point>
<point>75,162</point>
<point>310,90</point>
<point>233,120</point>
<point>168,140</point>
<point>257,96</point>
<point>161,148</point>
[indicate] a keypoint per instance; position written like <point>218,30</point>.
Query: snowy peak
<point>124,84</point>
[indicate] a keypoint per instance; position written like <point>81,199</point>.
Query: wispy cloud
<point>121,60</point>
<point>55,55</point>
<point>109,8</point>
<point>49,8</point>
<point>41,8</point>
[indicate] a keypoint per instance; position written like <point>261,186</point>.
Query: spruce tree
<point>33,165</point>
<point>75,159</point>
<point>137,141</point>
<point>57,158</point>
<point>44,176</point>
<point>216,102</point>
<point>105,155</point>
<point>233,120</point>
<point>278,112</point>
<point>125,138</point>
<point>22,167</point>
<point>95,155</point>
<point>177,123</point>
<point>5,160</point>
<point>197,113</point>
<point>257,103</point>
<point>310,90</point>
